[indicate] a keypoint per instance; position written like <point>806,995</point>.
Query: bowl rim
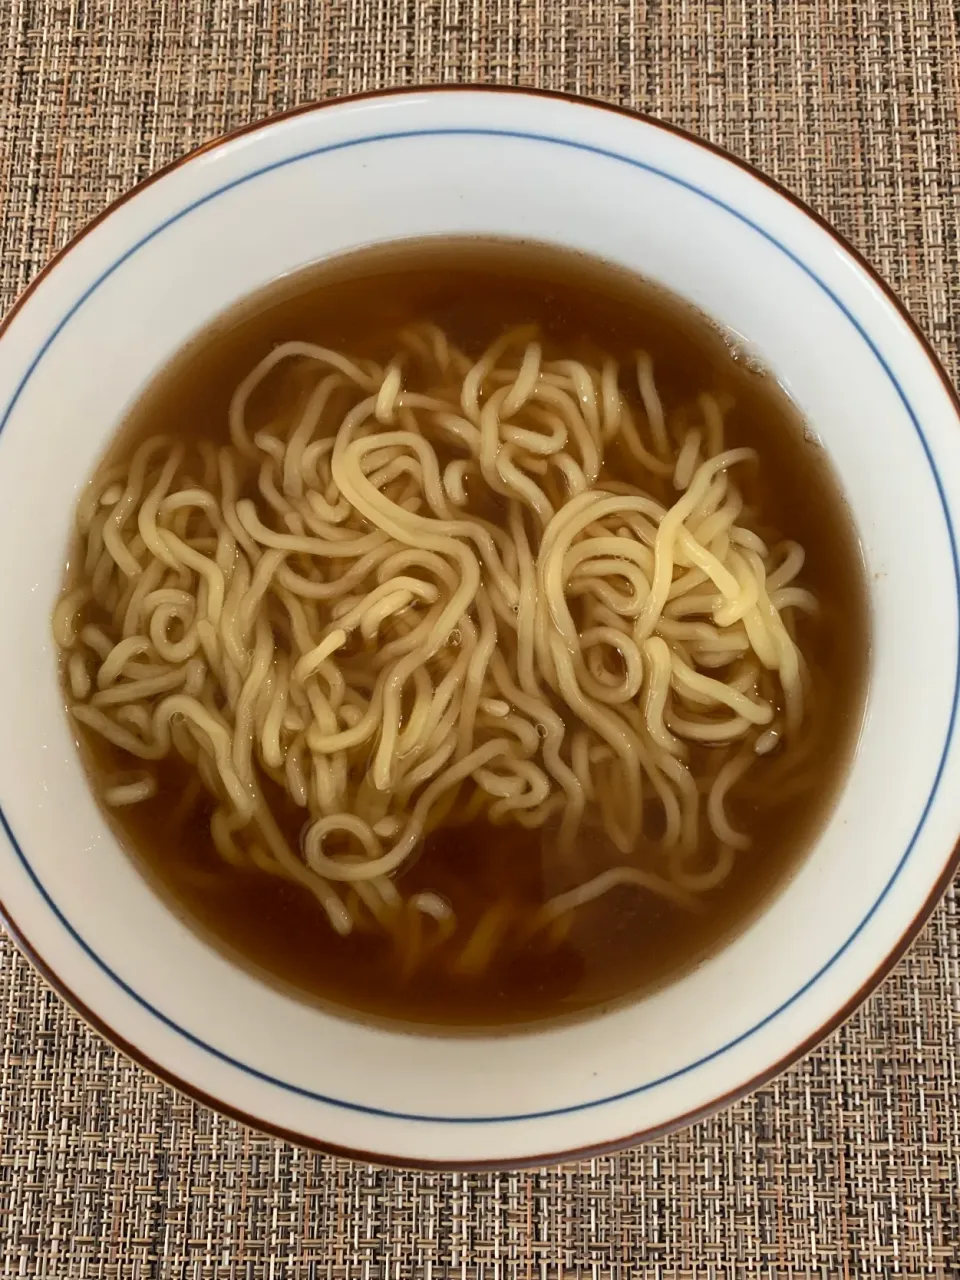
<point>796,1052</point>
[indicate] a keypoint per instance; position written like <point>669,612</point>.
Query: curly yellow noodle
<point>418,597</point>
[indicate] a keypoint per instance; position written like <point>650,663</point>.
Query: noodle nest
<point>417,595</point>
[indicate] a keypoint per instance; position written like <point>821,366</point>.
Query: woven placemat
<point>849,1164</point>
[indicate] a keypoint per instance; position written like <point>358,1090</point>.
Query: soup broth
<point>505,961</point>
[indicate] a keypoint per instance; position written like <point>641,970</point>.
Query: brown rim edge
<point>798,1051</point>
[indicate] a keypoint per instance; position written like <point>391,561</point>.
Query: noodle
<point>418,597</point>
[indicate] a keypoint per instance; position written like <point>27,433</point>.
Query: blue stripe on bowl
<point>646,1087</point>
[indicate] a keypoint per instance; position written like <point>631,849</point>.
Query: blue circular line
<point>825,288</point>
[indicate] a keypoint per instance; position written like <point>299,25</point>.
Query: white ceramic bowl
<point>158,266</point>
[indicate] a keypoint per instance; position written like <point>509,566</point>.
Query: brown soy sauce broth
<point>625,942</point>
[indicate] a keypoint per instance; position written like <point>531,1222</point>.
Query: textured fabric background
<point>849,1164</point>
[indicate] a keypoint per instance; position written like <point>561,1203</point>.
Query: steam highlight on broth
<point>507,586</point>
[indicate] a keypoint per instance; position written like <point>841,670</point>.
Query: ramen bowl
<point>157,268</point>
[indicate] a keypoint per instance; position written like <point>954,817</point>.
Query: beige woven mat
<point>847,1165</point>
